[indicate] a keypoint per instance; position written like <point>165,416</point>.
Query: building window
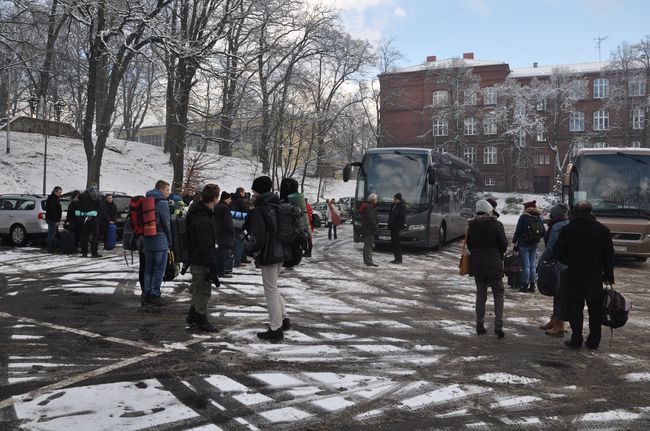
<point>579,89</point>
<point>440,127</point>
<point>490,156</point>
<point>440,98</point>
<point>489,182</point>
<point>442,149</point>
<point>469,97</point>
<point>600,145</point>
<point>489,126</point>
<point>577,121</point>
<point>489,96</point>
<point>469,154</point>
<point>541,134</point>
<point>471,127</point>
<point>636,86</point>
<point>541,159</point>
<point>541,105</point>
<point>601,120</point>
<point>638,119</point>
<point>635,144</point>
<point>520,108</point>
<point>601,88</point>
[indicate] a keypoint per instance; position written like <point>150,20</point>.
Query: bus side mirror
<point>348,169</point>
<point>431,176</point>
<point>566,177</point>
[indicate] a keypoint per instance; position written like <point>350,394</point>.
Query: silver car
<point>22,217</point>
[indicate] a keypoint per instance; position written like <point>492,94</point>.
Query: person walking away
<point>310,240</point>
<point>108,214</point>
<point>225,232</point>
<point>240,205</point>
<point>487,243</point>
<point>203,260</point>
<point>331,213</point>
<point>585,247</point>
<point>396,221</point>
<point>89,212</point>
<point>529,232</point>
<point>156,247</point>
<point>558,219</point>
<point>269,256</point>
<point>369,227</point>
<point>72,221</point>
<point>53,214</point>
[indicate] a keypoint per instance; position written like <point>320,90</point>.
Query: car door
<point>27,215</point>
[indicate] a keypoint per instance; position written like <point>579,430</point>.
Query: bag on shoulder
<point>535,231</point>
<point>463,266</point>
<point>149,223</point>
<point>511,263</point>
<point>615,308</point>
<point>548,277</point>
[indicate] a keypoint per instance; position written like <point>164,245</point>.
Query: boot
<point>204,324</point>
<point>523,287</point>
<point>480,328</point>
<point>550,324</point>
<point>531,287</point>
<point>558,329</point>
<point>499,332</point>
<point>192,319</point>
<point>272,336</point>
<point>286,324</point>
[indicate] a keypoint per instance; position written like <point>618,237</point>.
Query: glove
<point>214,279</point>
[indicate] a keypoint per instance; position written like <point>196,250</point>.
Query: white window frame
<point>469,154</point>
<point>489,182</point>
<point>600,145</point>
<point>541,134</point>
<point>440,127</point>
<point>635,144</point>
<point>577,121</point>
<point>601,120</point>
<point>469,97</point>
<point>601,88</point>
<point>489,126</point>
<point>440,98</point>
<point>470,126</point>
<point>489,96</point>
<point>638,118</point>
<point>578,91</point>
<point>541,105</point>
<point>541,159</point>
<point>490,155</point>
<point>636,86</point>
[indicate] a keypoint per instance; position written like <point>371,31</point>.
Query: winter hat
<point>262,184</point>
<point>559,211</point>
<point>484,207</point>
<point>224,195</point>
<point>531,204</point>
<point>492,202</point>
<point>398,196</point>
<point>288,186</point>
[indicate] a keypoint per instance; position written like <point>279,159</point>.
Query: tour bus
<point>438,189</point>
<point>617,183</point>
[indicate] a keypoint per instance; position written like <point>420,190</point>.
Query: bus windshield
<point>396,172</point>
<point>616,184</point>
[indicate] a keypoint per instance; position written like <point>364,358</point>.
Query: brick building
<point>466,91</point>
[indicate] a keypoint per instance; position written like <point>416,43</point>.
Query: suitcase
<point>513,279</point>
<point>180,241</point>
<point>111,237</point>
<point>67,242</point>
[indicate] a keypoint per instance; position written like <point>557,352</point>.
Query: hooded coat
<point>201,236</point>
<point>163,240</point>
<point>487,243</point>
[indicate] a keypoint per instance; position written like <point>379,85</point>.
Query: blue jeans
<point>238,251</point>
<point>154,270</point>
<point>528,256</point>
<point>52,227</point>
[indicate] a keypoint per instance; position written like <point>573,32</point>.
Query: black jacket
<point>109,212</point>
<point>586,248</point>
<point>239,204</point>
<point>487,242</point>
<point>201,236</point>
<point>260,227</point>
<point>88,204</point>
<point>53,208</point>
<point>71,219</point>
<point>369,220</point>
<point>223,225</point>
<point>397,216</point>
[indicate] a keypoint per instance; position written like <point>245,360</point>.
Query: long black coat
<point>202,237</point>
<point>397,215</point>
<point>487,242</point>
<point>223,225</point>
<point>586,248</point>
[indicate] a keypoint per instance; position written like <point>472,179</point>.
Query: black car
<point>120,199</point>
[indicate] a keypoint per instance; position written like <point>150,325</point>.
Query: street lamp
<point>58,107</point>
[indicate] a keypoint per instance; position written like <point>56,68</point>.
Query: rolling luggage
<point>67,242</point>
<point>111,237</point>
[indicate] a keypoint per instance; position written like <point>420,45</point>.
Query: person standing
<point>108,214</point>
<point>53,214</point>
<point>225,233</point>
<point>585,247</point>
<point>310,240</point>
<point>396,221</point>
<point>332,214</point>
<point>493,202</point>
<point>269,256</point>
<point>156,247</point>
<point>559,219</point>
<point>89,211</point>
<point>72,222</point>
<point>203,261</point>
<point>369,227</point>
<point>239,204</point>
<point>529,232</point>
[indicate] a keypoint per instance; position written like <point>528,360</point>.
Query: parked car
<point>22,217</point>
<point>320,208</point>
<point>120,199</point>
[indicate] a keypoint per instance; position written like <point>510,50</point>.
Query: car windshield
<point>614,183</point>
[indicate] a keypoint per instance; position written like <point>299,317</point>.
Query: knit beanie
<point>559,211</point>
<point>483,206</point>
<point>492,202</point>
<point>531,204</point>
<point>262,184</point>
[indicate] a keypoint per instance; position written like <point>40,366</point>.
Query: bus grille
<point>626,236</point>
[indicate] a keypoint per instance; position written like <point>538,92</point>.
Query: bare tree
<point>135,95</point>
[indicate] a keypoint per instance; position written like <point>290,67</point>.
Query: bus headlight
<point>417,227</point>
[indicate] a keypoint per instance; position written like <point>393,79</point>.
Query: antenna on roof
<point>599,41</point>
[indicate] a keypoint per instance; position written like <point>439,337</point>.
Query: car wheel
<point>18,235</point>
<point>442,236</point>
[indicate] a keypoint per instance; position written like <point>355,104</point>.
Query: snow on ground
<point>128,167</point>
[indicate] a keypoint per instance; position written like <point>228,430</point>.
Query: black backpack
<point>289,229</point>
<point>535,231</point>
<point>615,308</point>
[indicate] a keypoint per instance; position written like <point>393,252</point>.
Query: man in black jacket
<point>396,221</point>
<point>239,204</point>
<point>202,238</point>
<point>53,216</point>
<point>585,247</point>
<point>108,214</point>
<point>225,232</point>
<point>89,212</point>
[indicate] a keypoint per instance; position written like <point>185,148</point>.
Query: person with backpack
<point>270,255</point>
<point>396,221</point>
<point>53,213</point>
<point>225,233</point>
<point>157,241</point>
<point>487,243</point>
<point>89,212</point>
<point>529,232</point>
<point>203,260</point>
<point>585,247</point>
<point>369,227</point>
<point>559,219</point>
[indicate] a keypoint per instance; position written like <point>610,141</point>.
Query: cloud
<point>366,18</point>
<point>479,7</point>
<point>399,13</point>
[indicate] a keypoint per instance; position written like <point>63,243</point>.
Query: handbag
<point>548,277</point>
<point>511,262</point>
<point>171,270</point>
<point>463,266</point>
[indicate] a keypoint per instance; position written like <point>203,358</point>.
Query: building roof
<point>448,62</point>
<point>530,72</point>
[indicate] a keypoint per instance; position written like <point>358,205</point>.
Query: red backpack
<point>136,215</point>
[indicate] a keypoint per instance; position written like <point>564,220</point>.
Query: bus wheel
<point>442,236</point>
<point>640,259</point>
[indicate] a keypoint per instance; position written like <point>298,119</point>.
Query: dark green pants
<point>201,288</point>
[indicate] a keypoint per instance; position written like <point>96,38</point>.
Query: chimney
<point>431,58</point>
<point>535,64</point>
<point>468,55</point>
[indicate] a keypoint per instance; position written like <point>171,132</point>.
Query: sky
<point>518,32</point>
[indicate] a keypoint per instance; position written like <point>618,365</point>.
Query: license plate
<point>384,238</point>
<point>620,248</point>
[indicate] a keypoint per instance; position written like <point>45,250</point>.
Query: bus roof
<point>413,150</point>
<point>614,150</point>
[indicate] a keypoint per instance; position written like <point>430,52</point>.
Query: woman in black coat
<point>487,243</point>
